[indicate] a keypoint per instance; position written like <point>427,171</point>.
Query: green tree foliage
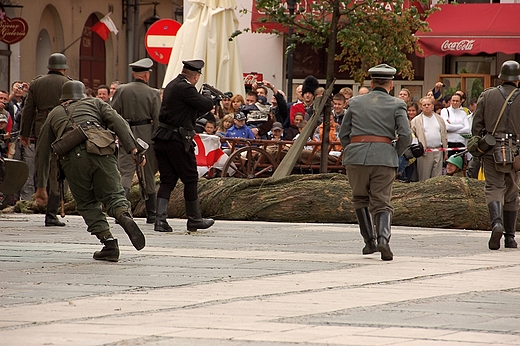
<point>369,32</point>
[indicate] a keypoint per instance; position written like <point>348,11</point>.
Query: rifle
<point>139,157</point>
<point>214,91</point>
<point>61,178</point>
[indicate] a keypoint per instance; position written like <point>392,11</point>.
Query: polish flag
<point>104,27</point>
<point>208,153</point>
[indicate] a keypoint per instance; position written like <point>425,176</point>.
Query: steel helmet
<point>510,71</point>
<point>57,61</point>
<point>455,160</point>
<point>73,90</point>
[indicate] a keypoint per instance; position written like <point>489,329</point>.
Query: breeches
<point>127,168</point>
<point>501,187</point>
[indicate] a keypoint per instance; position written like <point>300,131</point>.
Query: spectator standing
<point>339,104</point>
<point>113,87</point>
<point>368,129</point>
<point>457,123</point>
<point>103,92</point>
<point>430,130</point>
<point>405,95</point>
<point>43,95</point>
<point>139,105</point>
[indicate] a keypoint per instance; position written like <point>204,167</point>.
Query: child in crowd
<point>239,130</point>
<point>209,128</point>
<point>293,130</point>
<point>224,125</point>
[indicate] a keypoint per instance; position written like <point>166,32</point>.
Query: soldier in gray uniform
<point>371,159</point>
<point>501,185</point>
<point>139,105</point>
<point>44,94</point>
<point>93,179</point>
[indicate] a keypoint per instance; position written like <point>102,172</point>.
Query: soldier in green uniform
<point>139,105</point>
<point>371,159</point>
<point>501,180</point>
<point>94,179</point>
<point>43,95</point>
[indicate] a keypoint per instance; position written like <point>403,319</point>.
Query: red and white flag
<point>104,27</point>
<point>208,153</point>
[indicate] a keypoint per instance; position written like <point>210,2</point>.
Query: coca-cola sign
<point>12,30</point>
<point>457,45</point>
<point>252,77</point>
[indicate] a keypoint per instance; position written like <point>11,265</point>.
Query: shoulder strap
<point>69,114</point>
<point>504,106</point>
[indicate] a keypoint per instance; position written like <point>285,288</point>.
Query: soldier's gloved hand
<point>136,157</point>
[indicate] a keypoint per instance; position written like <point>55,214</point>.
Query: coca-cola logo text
<point>457,45</point>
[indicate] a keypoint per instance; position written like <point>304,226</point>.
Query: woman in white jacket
<point>457,124</point>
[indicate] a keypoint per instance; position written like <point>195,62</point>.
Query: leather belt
<point>370,139</point>
<point>169,127</point>
<point>139,122</point>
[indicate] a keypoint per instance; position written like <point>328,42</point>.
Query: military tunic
<point>139,105</point>
<point>371,167</point>
<point>182,105</point>
<point>93,180</point>
<point>43,95</point>
<point>501,187</point>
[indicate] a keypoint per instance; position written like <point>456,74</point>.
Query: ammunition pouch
<point>69,140</point>
<point>504,156</point>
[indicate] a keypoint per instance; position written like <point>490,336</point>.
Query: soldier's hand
<point>41,196</point>
<point>142,158</point>
<point>24,141</point>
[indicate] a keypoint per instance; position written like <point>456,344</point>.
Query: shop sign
<point>12,30</point>
<point>252,77</point>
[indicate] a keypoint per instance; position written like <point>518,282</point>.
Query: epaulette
<point>35,78</point>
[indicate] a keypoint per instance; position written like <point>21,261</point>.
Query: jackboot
<point>150,208</point>
<point>383,222</point>
<point>510,228</point>
<point>126,221</point>
<point>161,225</point>
<point>51,218</point>
<point>366,227</point>
<point>497,225</point>
<point>195,220</point>
<point>109,252</point>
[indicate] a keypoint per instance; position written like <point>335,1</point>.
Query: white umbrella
<point>205,35</point>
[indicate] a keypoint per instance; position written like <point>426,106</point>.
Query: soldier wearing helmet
<point>501,187</point>
<point>43,95</point>
<point>94,179</point>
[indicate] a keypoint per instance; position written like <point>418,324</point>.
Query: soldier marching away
<point>44,94</point>
<point>367,131</point>
<point>139,105</point>
<point>93,179</point>
<point>174,147</point>
<point>501,187</point>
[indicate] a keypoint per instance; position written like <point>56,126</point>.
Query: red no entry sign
<point>159,39</point>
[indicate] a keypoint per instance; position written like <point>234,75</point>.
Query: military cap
<point>240,116</point>
<point>193,65</point>
<point>3,118</point>
<point>382,71</point>
<point>142,65</point>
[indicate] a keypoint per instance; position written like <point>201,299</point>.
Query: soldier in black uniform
<point>44,94</point>
<point>174,146</point>
<point>94,179</point>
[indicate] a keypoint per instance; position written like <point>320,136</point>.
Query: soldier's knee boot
<point>161,225</point>
<point>109,252</point>
<point>383,224</point>
<point>366,228</point>
<point>497,224</point>
<point>150,208</point>
<point>133,231</point>
<point>195,220</point>
<point>51,218</point>
<point>510,228</point>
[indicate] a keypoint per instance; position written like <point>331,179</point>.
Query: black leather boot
<point>510,228</point>
<point>51,218</point>
<point>161,225</point>
<point>383,222</point>
<point>109,252</point>
<point>366,227</point>
<point>497,225</point>
<point>195,220</point>
<point>126,221</point>
<point>150,208</point>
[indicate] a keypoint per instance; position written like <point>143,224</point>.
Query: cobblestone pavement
<point>254,283</point>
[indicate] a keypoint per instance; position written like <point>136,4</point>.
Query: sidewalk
<point>254,283</point>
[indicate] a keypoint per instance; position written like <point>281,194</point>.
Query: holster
<point>187,138</point>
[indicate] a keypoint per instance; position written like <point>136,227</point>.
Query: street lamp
<point>148,22</point>
<point>291,4</point>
